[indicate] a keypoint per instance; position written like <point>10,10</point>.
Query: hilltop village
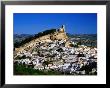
<point>57,52</point>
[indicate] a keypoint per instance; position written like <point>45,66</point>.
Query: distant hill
<point>86,39</point>
<point>69,35</point>
<point>21,37</point>
<point>83,36</point>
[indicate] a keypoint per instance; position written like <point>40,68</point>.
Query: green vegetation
<point>88,68</point>
<point>23,70</point>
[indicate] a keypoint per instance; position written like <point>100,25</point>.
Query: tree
<point>79,43</point>
<point>45,63</point>
<point>60,50</point>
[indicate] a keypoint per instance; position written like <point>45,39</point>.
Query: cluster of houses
<point>58,55</point>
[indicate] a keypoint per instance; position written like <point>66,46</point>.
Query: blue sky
<point>75,23</point>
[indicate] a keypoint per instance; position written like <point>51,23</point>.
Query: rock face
<point>58,35</point>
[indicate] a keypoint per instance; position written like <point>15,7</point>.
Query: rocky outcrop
<point>60,34</point>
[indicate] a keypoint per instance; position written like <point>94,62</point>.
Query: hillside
<point>21,39</point>
<point>84,39</point>
<point>45,36</point>
<point>56,53</point>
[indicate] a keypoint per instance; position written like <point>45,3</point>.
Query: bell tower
<point>62,29</point>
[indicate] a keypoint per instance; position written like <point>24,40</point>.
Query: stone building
<point>60,34</point>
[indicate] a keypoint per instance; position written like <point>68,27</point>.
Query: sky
<point>75,23</point>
